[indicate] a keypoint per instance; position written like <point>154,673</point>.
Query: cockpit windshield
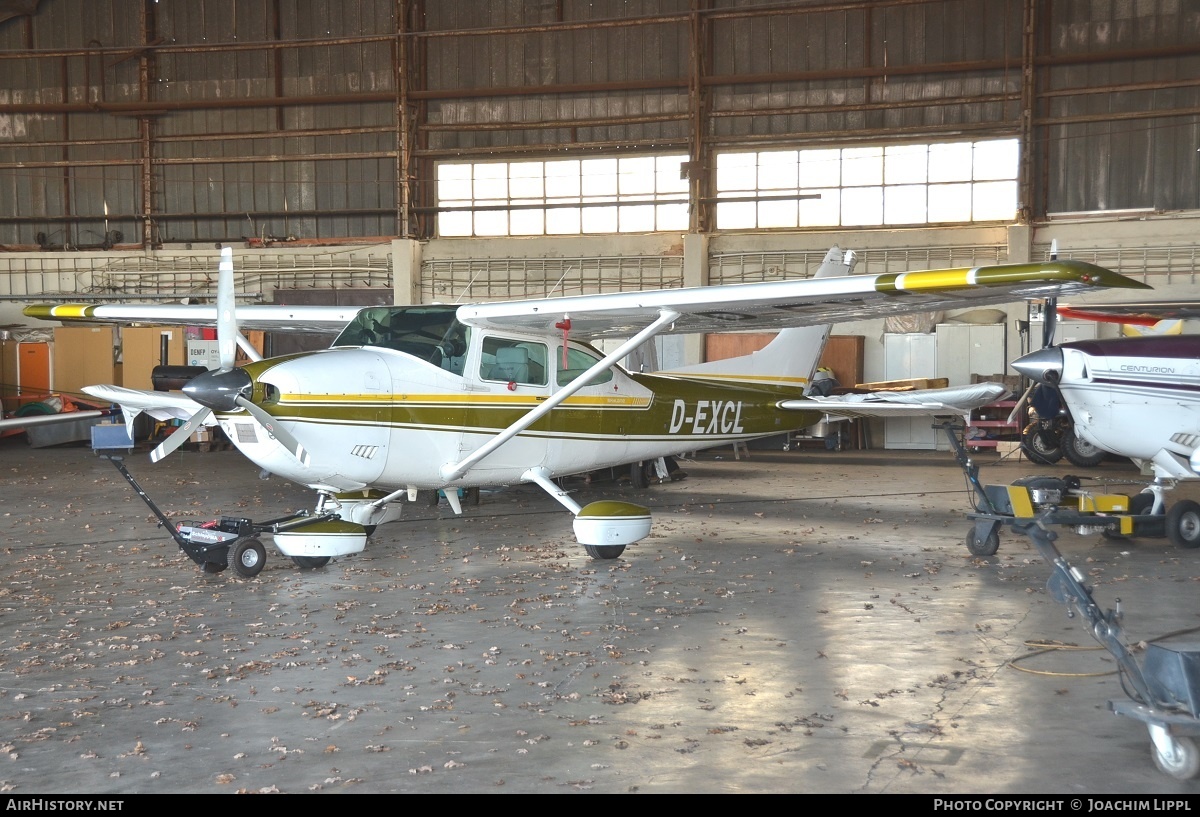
<point>430,332</point>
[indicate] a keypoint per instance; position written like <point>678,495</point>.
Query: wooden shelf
<point>998,430</point>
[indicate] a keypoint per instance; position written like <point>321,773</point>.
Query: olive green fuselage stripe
<point>679,407</point>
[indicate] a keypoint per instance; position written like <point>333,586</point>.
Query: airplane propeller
<point>1050,312</point>
<point>1049,327</point>
<point>229,387</point>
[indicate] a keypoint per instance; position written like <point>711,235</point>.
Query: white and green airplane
<point>429,397</point>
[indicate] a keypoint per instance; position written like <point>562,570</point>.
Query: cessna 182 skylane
<point>419,398</point>
<point>1137,397</point>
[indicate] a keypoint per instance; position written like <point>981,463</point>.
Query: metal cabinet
<point>956,352</point>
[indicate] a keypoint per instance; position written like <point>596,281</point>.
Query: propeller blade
<point>275,430</point>
<point>180,435</point>
<point>1021,403</point>
<point>1049,322</point>
<point>227,330</point>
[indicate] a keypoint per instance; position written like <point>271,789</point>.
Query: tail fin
<point>788,360</point>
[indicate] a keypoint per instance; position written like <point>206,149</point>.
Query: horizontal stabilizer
<point>958,400</point>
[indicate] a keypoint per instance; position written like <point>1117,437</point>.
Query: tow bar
<point>1163,689</point>
<point>216,544</point>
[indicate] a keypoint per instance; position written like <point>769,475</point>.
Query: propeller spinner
<point>229,387</point>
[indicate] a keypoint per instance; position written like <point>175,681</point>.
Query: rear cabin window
<point>578,361</point>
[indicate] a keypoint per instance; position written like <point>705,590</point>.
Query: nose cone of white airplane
<point>1042,366</point>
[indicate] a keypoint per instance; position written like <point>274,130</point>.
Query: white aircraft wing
<point>161,405</point>
<point>730,308</point>
<point>271,318</point>
<point>779,304</point>
<point>955,400</point>
<point>49,419</point>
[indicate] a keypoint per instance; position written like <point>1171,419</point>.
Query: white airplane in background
<point>1137,397</point>
<point>428,397</point>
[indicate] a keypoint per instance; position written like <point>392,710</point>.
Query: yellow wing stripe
<point>51,312</point>
<point>934,279</point>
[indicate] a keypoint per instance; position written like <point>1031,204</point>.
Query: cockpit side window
<point>513,361</point>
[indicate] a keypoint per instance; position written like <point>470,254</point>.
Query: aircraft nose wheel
<point>248,558</point>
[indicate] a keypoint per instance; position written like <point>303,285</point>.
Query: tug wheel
<point>213,567</point>
<point>987,546</point>
<point>1139,505</point>
<point>1181,759</point>
<point>604,551</point>
<point>310,562</point>
<point>248,558</point>
<point>1183,524</point>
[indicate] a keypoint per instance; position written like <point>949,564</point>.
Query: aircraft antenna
<point>558,283</point>
<point>467,289</point>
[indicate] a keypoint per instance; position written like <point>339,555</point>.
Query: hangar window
<point>628,194</point>
<point>936,183</point>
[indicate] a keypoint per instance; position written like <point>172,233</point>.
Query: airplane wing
<point>955,400</point>
<point>779,304</point>
<point>10,423</point>
<point>161,405</point>
<point>728,308</point>
<point>271,318</point>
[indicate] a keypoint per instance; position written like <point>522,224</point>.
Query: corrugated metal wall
<point>146,123</point>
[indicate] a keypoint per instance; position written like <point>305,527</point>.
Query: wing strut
<point>455,470</point>
<point>666,317</point>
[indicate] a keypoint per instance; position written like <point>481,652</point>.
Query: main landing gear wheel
<point>1080,452</point>
<point>248,558</point>
<point>1037,448</point>
<point>604,551</point>
<point>1183,524</point>
<point>639,475</point>
<point>1180,758</point>
<point>987,546</point>
<point>310,562</point>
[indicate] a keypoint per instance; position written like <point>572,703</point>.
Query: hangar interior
<point>415,152</point>
<point>794,622</point>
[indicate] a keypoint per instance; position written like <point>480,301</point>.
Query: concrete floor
<point>802,621</point>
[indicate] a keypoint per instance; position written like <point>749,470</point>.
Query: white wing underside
<point>764,307</point>
<point>752,307</point>
<point>161,405</point>
<point>956,400</point>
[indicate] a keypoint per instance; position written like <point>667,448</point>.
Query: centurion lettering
<point>708,417</point>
